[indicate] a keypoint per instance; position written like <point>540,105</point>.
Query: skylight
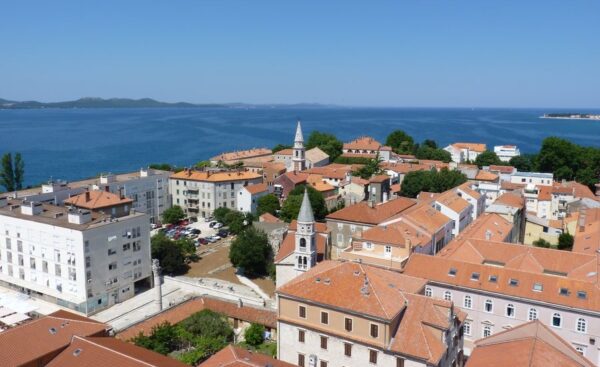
<point>538,287</point>
<point>513,282</point>
<point>452,272</point>
<point>475,276</point>
<point>581,294</point>
<point>564,291</point>
<point>493,278</point>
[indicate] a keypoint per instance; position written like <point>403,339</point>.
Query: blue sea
<point>81,143</point>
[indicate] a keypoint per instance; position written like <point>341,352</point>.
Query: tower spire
<point>298,159</point>
<point>306,212</point>
<point>299,137</point>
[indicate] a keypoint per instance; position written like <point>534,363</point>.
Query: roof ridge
<point>64,318</point>
<point>425,337</point>
<point>116,352</point>
<point>375,293</point>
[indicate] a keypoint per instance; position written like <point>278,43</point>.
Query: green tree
<point>163,339</point>
<point>427,152</point>
<point>221,213</point>
<point>291,206</point>
<point>251,252</point>
<point>254,334</point>
<point>400,142</point>
<point>352,160</point>
<point>173,215</point>
<point>7,175</point>
<point>430,181</point>
<point>203,164</point>
<point>280,147</point>
<point>326,142</point>
<point>488,158</point>
<point>267,204</point>
<point>19,171</point>
<point>430,144</point>
<point>203,348</point>
<point>523,163</point>
<point>170,254</point>
<point>541,243</point>
<point>565,241</point>
<point>560,157</point>
<point>237,221</point>
<point>209,324</point>
<point>165,167</point>
<point>368,170</point>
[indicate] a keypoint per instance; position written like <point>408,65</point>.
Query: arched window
<point>510,310</point>
<point>556,320</point>
<point>468,302</point>
<point>302,242</point>
<point>581,325</point>
<point>487,331</point>
<point>532,314</point>
<point>448,296</point>
<point>489,306</point>
<point>428,291</point>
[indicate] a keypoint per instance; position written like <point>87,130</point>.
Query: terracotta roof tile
<point>363,143</point>
<point>269,218</point>
<point>207,176</point>
<point>486,176</point>
<point>363,213</point>
<point>242,154</point>
<point>231,356</point>
<point>502,169</point>
<point>511,199</point>
<point>96,200</point>
<point>476,147</point>
<point>488,224</point>
<point>257,188</point>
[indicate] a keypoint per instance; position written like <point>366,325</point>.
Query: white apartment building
<point>535,178</point>
<point>506,152</point>
<point>201,192</point>
<point>465,152</point>
<point>249,195</point>
<point>453,206</point>
<point>511,284</point>
<point>81,259</point>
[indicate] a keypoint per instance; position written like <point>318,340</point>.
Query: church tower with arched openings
<point>306,248</point>
<point>298,158</point>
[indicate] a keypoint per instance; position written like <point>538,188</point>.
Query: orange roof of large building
<point>424,217</point>
<point>467,188</point>
<point>109,352</point>
<point>242,155</point>
<point>587,237</point>
<point>502,169</point>
<point>489,226</point>
<point>404,167</point>
<point>96,200</point>
<point>231,356</point>
<point>476,147</point>
<point>566,278</point>
<point>257,188</point>
<point>287,151</point>
<point>486,176</point>
<point>453,201</point>
<point>334,170</point>
<point>382,294</point>
<point>363,143</point>
<point>363,213</point>
<point>317,182</point>
<point>511,199</point>
<point>207,176</point>
<point>532,344</point>
<point>184,310</point>
<point>42,337</point>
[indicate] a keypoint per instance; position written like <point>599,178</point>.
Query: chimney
<point>408,244</point>
<point>581,220</point>
<point>488,234</point>
<point>87,195</point>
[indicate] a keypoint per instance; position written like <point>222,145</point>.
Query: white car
<point>218,225</point>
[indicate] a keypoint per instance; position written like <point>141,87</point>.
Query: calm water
<point>72,144</point>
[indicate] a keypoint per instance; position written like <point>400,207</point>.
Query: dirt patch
<point>214,263</point>
<point>266,284</point>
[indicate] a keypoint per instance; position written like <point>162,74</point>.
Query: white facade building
<point>465,152</point>
<point>535,178</point>
<point>506,152</point>
<point>76,258</point>
<point>248,197</point>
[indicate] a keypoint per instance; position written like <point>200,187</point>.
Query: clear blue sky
<point>370,53</point>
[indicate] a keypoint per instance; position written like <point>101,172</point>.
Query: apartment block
<point>201,192</point>
<point>78,258</point>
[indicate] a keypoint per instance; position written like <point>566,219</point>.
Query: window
<point>563,292</point>
<point>538,287</point>
<point>475,276</point>
<point>532,314</point>
<point>428,291</point>
<point>302,311</point>
<point>112,266</point>
<point>452,272</point>
<point>373,356</point>
<point>399,362</point>
<point>581,294</point>
<point>493,279</point>
<point>388,250</point>
<point>348,324</point>
<point>301,360</point>
<point>467,327</point>
<point>556,320</point>
<point>513,282</point>
<point>112,251</point>
<point>348,349</point>
<point>580,349</point>
<point>468,302</point>
<point>301,336</point>
<point>489,305</point>
<point>126,246</point>
<point>581,325</point>
<point>374,330</point>
<point>323,364</point>
<point>448,296</point>
<point>323,342</point>
<point>510,310</point>
<point>324,318</point>
<point>487,331</point>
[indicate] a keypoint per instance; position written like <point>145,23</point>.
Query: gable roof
<point>242,154</point>
<point>363,213</point>
<point>316,155</point>
<point>257,188</point>
<point>231,356</point>
<point>453,201</point>
<point>363,143</point>
<point>476,147</point>
<point>96,199</point>
<point>511,199</point>
<point>532,344</point>
<point>491,225</point>
<point>50,334</point>
<point>207,176</point>
<point>109,352</point>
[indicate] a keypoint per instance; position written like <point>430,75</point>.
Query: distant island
<point>571,116</point>
<point>93,102</point>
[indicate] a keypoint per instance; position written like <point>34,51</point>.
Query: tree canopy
<point>267,204</point>
<point>12,172</point>
<point>369,169</point>
<point>254,334</point>
<point>523,163</point>
<point>280,147</point>
<point>326,142</point>
<point>430,181</point>
<point>291,206</point>
<point>565,241</point>
<point>430,151</point>
<point>172,254</point>
<point>173,215</point>
<point>235,220</point>
<point>401,142</point>
<point>252,252</point>
<point>488,158</point>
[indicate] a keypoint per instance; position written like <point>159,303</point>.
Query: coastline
<point>595,118</point>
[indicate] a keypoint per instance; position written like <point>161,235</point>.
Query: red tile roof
<point>96,200</point>
<point>363,213</point>
<point>231,356</point>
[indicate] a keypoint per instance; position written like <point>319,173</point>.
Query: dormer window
<point>513,282</point>
<point>581,294</point>
<point>452,272</point>
<point>475,276</point>
<point>538,287</point>
<point>493,279</point>
<point>563,291</point>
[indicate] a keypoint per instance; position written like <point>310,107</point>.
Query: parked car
<point>196,231</point>
<point>218,225</point>
<point>202,241</point>
<point>212,239</point>
<point>208,219</point>
<point>223,233</point>
<point>212,224</point>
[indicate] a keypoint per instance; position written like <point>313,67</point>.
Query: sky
<point>413,53</point>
